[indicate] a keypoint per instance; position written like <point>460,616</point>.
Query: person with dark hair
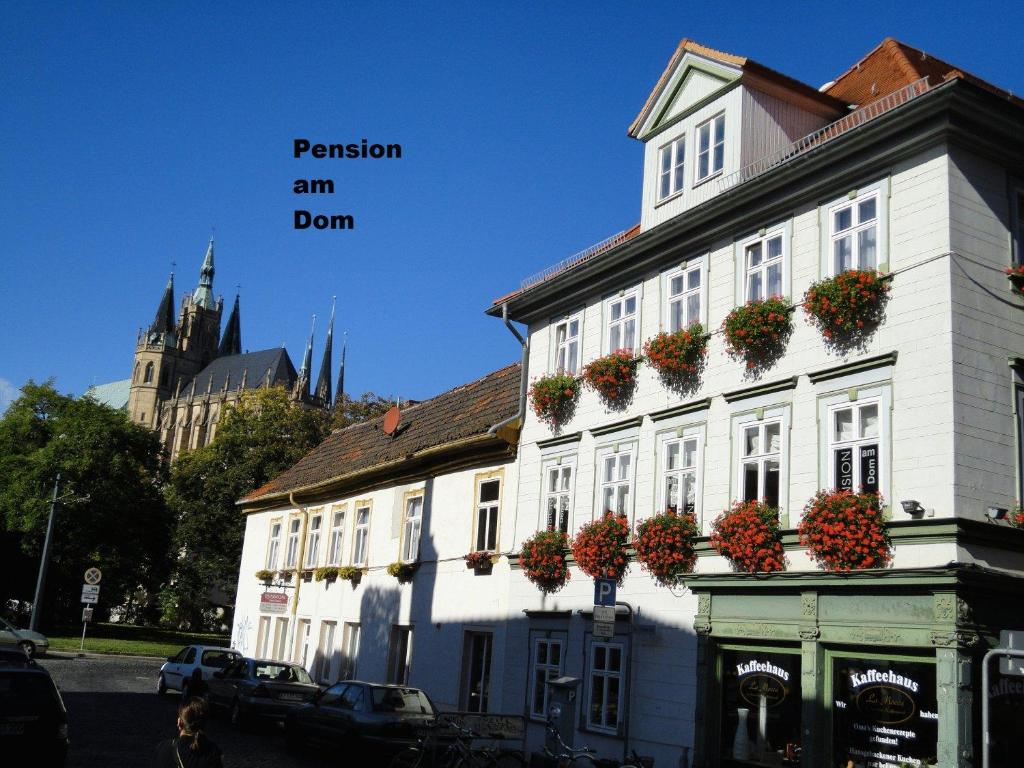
<point>191,748</point>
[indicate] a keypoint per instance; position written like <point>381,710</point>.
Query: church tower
<point>200,318</point>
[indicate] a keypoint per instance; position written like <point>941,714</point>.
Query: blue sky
<point>130,130</point>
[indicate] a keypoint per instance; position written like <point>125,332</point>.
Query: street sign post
<point>90,596</point>
<point>604,630</point>
<point>604,592</point>
<point>604,613</point>
<point>87,613</point>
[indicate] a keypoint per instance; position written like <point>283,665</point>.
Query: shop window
<point>558,487</point>
<point>885,710</point>
<point>546,664</point>
<point>606,684</point>
<point>761,707</point>
<point>476,670</point>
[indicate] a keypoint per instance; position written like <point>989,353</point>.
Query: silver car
<point>33,643</point>
<point>177,671</point>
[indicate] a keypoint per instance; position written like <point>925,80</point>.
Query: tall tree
<point>112,513</point>
<point>259,437</point>
<point>350,411</point>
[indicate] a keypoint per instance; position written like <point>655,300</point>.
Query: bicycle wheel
<point>407,758</point>
<point>507,760</point>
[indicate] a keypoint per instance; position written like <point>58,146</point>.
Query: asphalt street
<point>116,718</point>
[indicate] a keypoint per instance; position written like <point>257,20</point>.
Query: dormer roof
<point>691,59</point>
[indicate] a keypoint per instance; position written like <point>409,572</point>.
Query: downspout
<point>523,374</point>
<point>299,559</point>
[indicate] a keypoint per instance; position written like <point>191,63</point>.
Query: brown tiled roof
<point>747,65</point>
<point>467,411</point>
<point>892,65</point>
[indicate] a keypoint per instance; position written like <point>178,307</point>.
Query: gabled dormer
<point>712,114</point>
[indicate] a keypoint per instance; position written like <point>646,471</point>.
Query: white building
<point>754,185</point>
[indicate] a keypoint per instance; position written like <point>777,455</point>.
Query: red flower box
<point>665,546</point>
<point>844,531</point>
<point>848,307</point>
<point>543,560</point>
<point>758,331</point>
<point>479,561</point>
<point>600,547</point>
<point>1017,517</point>
<point>554,397</point>
<point>678,357</point>
<point>613,376</point>
<point>1015,275</point>
<point>749,537</point>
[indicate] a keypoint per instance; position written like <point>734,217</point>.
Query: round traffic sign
<point>93,575</point>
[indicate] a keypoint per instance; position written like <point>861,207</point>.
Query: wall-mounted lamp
<point>913,508</point>
<point>996,513</point>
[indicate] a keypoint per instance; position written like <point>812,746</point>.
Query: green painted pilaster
<point>707,679</point>
<point>812,659</point>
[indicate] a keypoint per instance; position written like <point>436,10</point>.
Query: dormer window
<point>673,160</point>
<point>710,147</point>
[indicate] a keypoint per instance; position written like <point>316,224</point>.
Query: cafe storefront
<point>869,669</point>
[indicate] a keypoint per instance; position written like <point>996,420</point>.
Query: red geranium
<point>749,537</point>
<point>847,307</point>
<point>1015,275</point>
<point>678,357</point>
<point>600,547</point>
<point>1017,517</point>
<point>543,559</point>
<point>844,531</point>
<point>613,376</point>
<point>479,560</point>
<point>554,397</point>
<point>758,331</point>
<point>664,546</point>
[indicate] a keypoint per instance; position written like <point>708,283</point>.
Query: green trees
<point>112,513</point>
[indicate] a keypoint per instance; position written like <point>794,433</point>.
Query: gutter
<point>523,373</point>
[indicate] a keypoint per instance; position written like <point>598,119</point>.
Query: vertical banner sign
<point>844,469</point>
<point>869,468</point>
<point>885,713</point>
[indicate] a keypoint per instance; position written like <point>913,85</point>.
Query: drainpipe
<point>299,559</point>
<point>523,371</point>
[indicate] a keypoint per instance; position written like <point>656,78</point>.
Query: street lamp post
<point>37,603</point>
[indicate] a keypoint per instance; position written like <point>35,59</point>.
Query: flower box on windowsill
<point>1015,275</point>
<point>481,561</point>
<point>265,576</point>
<point>285,574</point>
<point>351,574</point>
<point>403,571</point>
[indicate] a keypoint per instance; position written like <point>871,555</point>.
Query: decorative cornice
<point>679,410</point>
<point>761,389</point>
<point>616,426</point>
<point>845,369</point>
<point>575,437</point>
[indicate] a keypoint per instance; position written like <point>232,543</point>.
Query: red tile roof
<point>466,411</point>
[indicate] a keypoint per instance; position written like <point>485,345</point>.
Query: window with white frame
<point>623,318</point>
<point>337,540</point>
<point>567,344</point>
<point>679,474</point>
<point>313,540</point>
<point>683,295</point>
<point>853,233</point>
<point>616,482</point>
<point>349,650</point>
<point>710,147</point>
<point>291,552</point>
<point>325,652</point>
<point>558,487</point>
<point>361,539</point>
<point>273,546</point>
<point>606,685</point>
<point>399,655</point>
<point>412,527</point>
<point>488,494</point>
<point>761,458</point>
<point>763,263</point>
<point>672,160</point>
<point>855,446</point>
<point>476,671</point>
<point>547,665</point>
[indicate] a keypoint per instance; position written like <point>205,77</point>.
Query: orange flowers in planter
<point>758,331</point>
<point>600,547</point>
<point>543,560</point>
<point>554,397</point>
<point>844,531</point>
<point>678,357</point>
<point>664,546</point>
<point>848,307</point>
<point>613,377</point>
<point>1015,275</point>
<point>749,537</point>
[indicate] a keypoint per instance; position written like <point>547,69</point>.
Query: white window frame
<point>398,666</point>
<point>619,453</point>
<point>300,646</point>
<point>782,260</point>
<point>696,264</point>
<point>777,413</point>
<point>711,125</point>
<point>879,190</point>
<point>325,651</point>
<point>557,465</point>
<point>262,637</point>
<point>336,543</point>
<point>622,322</point>
<point>675,173</point>
<point>274,544</point>
<point>361,536</point>
<point>412,528</point>
<point>680,438</point>
<point>280,638</point>
<point>606,674</point>
<point>483,512</point>
<point>312,555</point>
<point>854,395</point>
<point>349,650</point>
<point>857,225</point>
<point>551,672</point>
<point>562,348</point>
<point>291,552</point>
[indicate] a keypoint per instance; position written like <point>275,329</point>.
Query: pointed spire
<point>323,382</point>
<point>340,397</point>
<point>203,294</point>
<point>302,385</point>
<point>231,341</point>
<point>163,323</point>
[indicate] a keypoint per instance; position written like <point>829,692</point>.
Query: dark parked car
<point>33,720</point>
<point>260,687</point>
<point>367,718</point>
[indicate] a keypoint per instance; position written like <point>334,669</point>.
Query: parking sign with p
<point>604,592</point>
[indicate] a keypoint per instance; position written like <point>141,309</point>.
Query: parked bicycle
<point>457,752</point>
<point>585,757</point>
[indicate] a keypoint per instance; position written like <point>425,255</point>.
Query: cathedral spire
<point>163,323</point>
<point>339,399</point>
<point>203,294</point>
<point>231,341</point>
<point>302,385</point>
<point>323,382</point>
